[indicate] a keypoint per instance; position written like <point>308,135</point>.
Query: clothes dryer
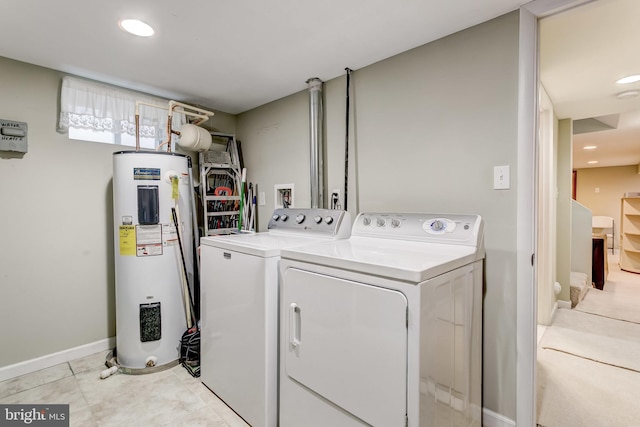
<point>239,299</point>
<point>384,328</point>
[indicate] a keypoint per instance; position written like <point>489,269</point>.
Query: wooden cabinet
<point>599,262</point>
<point>630,234</point>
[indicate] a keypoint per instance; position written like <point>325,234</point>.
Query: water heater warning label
<point>148,240</point>
<point>169,235</point>
<point>127,240</point>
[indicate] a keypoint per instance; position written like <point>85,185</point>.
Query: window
<point>92,111</point>
<point>87,134</point>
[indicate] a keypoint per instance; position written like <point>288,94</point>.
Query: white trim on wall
<point>49,360</point>
<point>546,238</point>
<point>527,226</point>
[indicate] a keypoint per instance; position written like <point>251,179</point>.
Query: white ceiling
<point>236,55</point>
<point>228,55</point>
<point>583,52</point>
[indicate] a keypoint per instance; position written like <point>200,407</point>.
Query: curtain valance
<point>92,105</point>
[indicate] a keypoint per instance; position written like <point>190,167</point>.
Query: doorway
<point>528,311</point>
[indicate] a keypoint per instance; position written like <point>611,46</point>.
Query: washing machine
<point>384,328</point>
<point>239,306</point>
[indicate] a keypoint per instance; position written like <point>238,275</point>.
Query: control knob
<point>328,219</point>
<point>438,225</point>
<point>366,221</point>
<point>318,219</point>
<point>395,223</point>
<point>300,218</point>
<point>275,217</point>
<point>284,217</point>
<point>380,222</point>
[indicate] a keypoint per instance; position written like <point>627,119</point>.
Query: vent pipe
<point>315,136</point>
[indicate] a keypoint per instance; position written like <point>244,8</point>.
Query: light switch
<point>501,179</point>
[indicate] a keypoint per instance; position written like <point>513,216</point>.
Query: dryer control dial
<point>366,221</point>
<point>318,219</point>
<point>284,217</point>
<point>439,226</point>
<point>380,222</point>
<point>395,223</point>
<point>276,217</point>
<point>300,218</point>
<point>328,219</point>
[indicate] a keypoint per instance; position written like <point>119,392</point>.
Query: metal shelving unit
<point>220,176</point>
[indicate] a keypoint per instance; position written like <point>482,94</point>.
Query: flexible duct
<point>315,136</point>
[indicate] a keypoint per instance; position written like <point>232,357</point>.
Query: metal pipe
<point>202,114</point>
<point>346,143</point>
<point>316,140</point>
<point>137,130</point>
<point>169,118</point>
<point>186,109</point>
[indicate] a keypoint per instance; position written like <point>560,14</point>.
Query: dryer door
<point>347,342</point>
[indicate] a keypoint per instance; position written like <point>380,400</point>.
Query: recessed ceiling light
<point>629,79</point>
<point>589,147</point>
<point>136,27</point>
<point>592,162</point>
<point>628,94</point>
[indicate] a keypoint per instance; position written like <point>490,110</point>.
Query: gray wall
<point>56,256</point>
<point>429,125</point>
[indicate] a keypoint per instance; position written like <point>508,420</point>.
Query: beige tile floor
<point>167,398</point>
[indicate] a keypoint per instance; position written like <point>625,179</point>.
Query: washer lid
<point>403,260</point>
<point>259,244</point>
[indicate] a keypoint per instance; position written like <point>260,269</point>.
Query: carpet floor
<point>589,358</point>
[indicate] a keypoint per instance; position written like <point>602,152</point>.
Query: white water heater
<point>152,300</point>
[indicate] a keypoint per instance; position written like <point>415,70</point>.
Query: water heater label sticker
<point>127,240</point>
<point>169,235</point>
<point>146,174</point>
<point>148,240</point>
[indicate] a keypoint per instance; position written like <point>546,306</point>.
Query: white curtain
<point>87,104</point>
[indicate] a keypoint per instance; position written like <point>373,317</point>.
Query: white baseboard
<point>557,306</point>
<point>49,360</point>
<point>492,419</point>
<point>554,310</point>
